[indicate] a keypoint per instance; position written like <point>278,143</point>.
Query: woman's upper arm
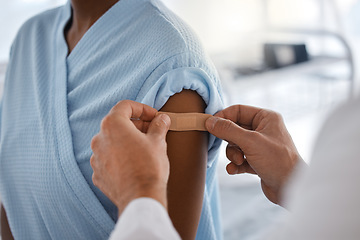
<point>187,153</point>
<point>5,228</point>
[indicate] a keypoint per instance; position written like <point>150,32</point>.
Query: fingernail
<point>166,119</point>
<point>210,123</point>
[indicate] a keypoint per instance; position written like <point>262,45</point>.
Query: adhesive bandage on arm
<point>187,121</point>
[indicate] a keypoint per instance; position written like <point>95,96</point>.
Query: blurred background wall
<point>236,34</point>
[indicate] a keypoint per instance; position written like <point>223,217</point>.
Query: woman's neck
<point>84,14</point>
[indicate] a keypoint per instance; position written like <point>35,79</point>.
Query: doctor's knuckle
<point>106,123</point>
<point>276,116</point>
<point>92,161</point>
<point>94,142</point>
<point>229,151</point>
<point>94,179</point>
<point>123,103</point>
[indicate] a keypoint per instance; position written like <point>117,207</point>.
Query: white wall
<point>227,24</point>
<point>221,24</point>
<point>13,13</point>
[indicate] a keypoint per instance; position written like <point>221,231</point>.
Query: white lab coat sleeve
<point>324,200</point>
<point>144,218</point>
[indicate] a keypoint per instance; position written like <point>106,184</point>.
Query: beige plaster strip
<point>187,121</point>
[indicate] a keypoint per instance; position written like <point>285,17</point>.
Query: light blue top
<point>53,105</point>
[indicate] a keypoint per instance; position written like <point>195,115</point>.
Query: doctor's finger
<point>159,126</point>
<point>230,132</point>
<point>143,126</point>
<point>131,109</point>
<point>95,164</point>
<point>241,114</point>
<point>114,122</point>
<point>234,154</point>
<point>95,142</point>
<point>232,168</point>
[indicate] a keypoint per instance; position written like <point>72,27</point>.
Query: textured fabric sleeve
<point>191,78</point>
<point>144,218</point>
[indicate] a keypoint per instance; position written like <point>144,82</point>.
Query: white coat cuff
<point>144,218</point>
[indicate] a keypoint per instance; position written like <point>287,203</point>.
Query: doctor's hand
<point>129,154</point>
<point>258,143</point>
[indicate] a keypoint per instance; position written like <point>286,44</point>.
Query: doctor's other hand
<point>258,143</point>
<point>129,154</point>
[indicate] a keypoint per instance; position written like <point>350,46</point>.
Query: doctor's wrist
<point>154,190</point>
<point>157,192</point>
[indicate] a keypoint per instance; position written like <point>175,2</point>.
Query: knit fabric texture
<point>53,104</point>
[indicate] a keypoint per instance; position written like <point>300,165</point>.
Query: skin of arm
<point>187,152</point>
<point>5,228</point>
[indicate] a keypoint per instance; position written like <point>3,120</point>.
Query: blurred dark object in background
<point>278,55</point>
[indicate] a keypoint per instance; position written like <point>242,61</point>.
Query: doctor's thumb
<point>159,126</point>
<point>227,130</point>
